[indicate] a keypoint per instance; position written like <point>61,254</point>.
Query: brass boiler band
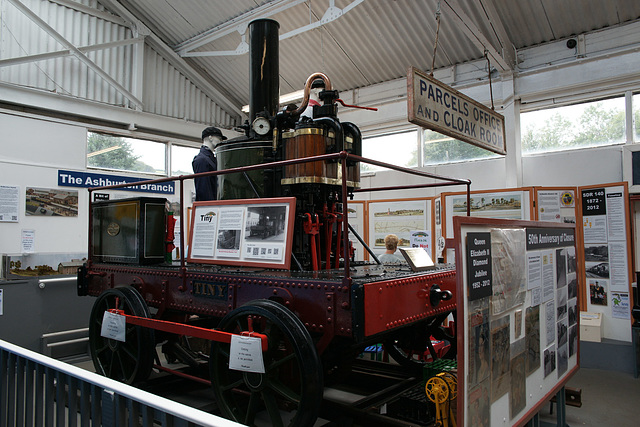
<point>314,140</point>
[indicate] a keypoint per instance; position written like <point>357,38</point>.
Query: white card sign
<point>246,354</point>
<point>113,326</point>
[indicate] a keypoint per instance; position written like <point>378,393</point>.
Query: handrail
<point>343,156</point>
<point>17,368</point>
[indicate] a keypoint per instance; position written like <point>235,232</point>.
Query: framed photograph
<point>247,232</point>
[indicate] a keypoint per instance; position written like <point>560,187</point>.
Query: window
<point>126,154</point>
<point>439,149</point>
<point>181,158</point>
<point>636,117</point>
<point>574,126</point>
<point>400,149</point>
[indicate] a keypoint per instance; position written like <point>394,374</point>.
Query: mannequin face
<point>211,141</point>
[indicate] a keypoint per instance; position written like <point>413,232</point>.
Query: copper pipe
<point>307,90</point>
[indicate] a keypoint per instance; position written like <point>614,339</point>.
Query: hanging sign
<point>436,106</point>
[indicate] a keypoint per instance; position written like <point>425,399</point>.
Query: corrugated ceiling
<point>378,39</point>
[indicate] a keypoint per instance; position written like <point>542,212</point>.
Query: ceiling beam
<point>508,48</point>
<point>75,51</point>
<point>331,14</point>
<point>464,23</point>
<point>71,4</point>
<point>238,24</point>
<point>208,88</point>
<point>66,52</point>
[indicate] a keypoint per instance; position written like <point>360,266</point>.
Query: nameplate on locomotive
<point>216,290</point>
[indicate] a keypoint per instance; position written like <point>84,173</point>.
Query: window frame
<point>167,143</point>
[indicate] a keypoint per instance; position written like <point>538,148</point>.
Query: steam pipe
<point>307,90</point>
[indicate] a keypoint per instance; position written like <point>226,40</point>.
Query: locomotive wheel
<point>290,390</point>
<point>130,361</point>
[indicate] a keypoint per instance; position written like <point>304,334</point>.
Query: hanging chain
<point>435,45</point>
<point>486,55</point>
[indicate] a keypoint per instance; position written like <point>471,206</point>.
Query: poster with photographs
<point>572,311</point>
<point>573,340</point>
<point>399,218</point>
<point>50,202</point>
<point>479,351</point>
<point>479,405</point>
<point>549,360</point>
<point>508,268</point>
<point>563,359</point>
<point>265,232</point>
<point>572,275</point>
<point>532,338</point>
<point>556,205</point>
<point>561,303</point>
<point>550,321</point>
<point>500,357</point>
<point>253,232</point>
<point>518,392</point>
<point>527,360</point>
<point>597,291</point>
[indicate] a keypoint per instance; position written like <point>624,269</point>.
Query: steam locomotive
<point>312,319</point>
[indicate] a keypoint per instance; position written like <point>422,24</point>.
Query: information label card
<point>114,326</point>
<point>246,354</point>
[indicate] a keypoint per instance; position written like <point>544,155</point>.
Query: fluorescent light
<point>284,99</point>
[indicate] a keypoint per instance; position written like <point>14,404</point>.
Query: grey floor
<point>609,398</point>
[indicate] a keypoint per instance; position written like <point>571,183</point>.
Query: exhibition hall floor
<point>609,398</point>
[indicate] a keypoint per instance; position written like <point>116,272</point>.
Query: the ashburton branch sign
<point>436,106</point>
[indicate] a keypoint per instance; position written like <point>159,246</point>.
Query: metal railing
<point>36,390</point>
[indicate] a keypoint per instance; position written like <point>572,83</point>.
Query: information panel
<point>515,350</point>
<point>251,232</point>
<point>607,256</point>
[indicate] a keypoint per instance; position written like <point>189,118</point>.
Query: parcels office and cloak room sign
<point>436,106</point>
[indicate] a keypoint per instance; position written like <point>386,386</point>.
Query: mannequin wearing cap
<point>205,161</point>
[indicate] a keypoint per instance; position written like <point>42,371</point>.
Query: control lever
<point>436,295</point>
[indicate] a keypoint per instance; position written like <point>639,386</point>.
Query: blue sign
<point>90,179</point>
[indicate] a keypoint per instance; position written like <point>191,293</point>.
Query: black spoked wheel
<point>290,390</point>
<point>408,345</point>
<point>130,361</point>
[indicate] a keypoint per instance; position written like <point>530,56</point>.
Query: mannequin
<point>205,161</point>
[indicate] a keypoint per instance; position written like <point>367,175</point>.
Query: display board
<point>511,204</point>
<point>409,219</point>
<point>606,240</point>
<point>248,232</point>
<point>518,344</point>
<point>556,204</point>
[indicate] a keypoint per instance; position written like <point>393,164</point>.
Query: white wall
<point>32,151</point>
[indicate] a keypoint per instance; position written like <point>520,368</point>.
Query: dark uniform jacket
<point>206,187</point>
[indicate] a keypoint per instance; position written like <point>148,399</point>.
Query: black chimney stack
<point>264,71</point>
